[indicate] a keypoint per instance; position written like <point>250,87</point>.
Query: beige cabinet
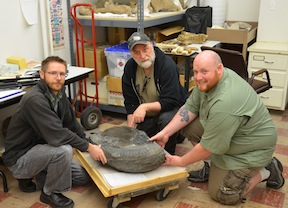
<point>273,57</point>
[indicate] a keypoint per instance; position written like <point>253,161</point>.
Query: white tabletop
<point>73,73</point>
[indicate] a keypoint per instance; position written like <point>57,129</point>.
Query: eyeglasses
<point>55,74</point>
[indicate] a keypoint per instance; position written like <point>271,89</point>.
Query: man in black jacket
<point>151,88</point>
<point>41,137</point>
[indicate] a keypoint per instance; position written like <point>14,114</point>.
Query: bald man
<point>228,123</point>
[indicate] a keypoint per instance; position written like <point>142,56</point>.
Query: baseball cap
<point>137,38</point>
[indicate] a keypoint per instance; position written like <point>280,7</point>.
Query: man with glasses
<point>151,88</point>
<point>41,137</point>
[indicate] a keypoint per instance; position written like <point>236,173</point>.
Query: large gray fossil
<point>128,149</point>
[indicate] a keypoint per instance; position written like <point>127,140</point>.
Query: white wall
<point>244,10</point>
<point>273,18</point>
<point>18,38</point>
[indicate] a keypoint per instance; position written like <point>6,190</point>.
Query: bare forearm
<point>196,154</point>
<point>142,110</point>
<point>151,107</point>
<point>180,120</point>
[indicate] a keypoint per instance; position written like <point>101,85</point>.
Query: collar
<point>54,99</point>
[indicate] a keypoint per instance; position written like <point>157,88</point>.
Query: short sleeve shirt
<point>238,129</point>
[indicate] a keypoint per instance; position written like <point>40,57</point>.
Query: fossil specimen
<point>128,149</point>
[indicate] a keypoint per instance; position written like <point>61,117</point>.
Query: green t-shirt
<point>238,129</point>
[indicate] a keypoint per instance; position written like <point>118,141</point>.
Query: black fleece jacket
<point>166,76</point>
<point>36,122</point>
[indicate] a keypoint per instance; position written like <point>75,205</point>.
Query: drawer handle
<point>258,58</point>
<point>264,97</point>
<point>269,62</point>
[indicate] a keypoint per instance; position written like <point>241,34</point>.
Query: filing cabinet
<point>274,58</point>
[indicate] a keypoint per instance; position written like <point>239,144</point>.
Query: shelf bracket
<point>140,16</point>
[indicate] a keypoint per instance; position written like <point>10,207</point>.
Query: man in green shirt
<point>226,121</point>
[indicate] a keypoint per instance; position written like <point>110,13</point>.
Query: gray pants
<point>52,167</point>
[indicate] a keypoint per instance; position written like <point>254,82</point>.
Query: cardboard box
<point>102,90</point>
<point>168,33</point>
<point>151,32</point>
<point>102,69</point>
<point>118,35</point>
<point>114,87</point>
<point>114,84</point>
<point>232,36</point>
<point>191,82</point>
<point>115,98</point>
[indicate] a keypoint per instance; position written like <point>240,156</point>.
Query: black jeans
<point>152,125</point>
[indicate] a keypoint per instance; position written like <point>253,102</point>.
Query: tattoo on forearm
<point>184,114</point>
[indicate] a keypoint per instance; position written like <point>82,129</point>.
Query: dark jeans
<point>152,125</point>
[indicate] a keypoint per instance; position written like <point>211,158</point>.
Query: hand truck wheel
<point>91,117</point>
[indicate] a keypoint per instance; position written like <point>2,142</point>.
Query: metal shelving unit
<point>139,23</point>
<point>131,22</point>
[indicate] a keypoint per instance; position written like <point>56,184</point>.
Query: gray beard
<point>147,64</point>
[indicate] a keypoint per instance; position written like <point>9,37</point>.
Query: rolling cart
<point>90,115</point>
<point>162,180</point>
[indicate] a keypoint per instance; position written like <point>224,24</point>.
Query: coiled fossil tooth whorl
<point>129,150</point>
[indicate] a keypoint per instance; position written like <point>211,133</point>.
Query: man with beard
<point>41,137</point>
<point>151,88</point>
<point>226,121</point>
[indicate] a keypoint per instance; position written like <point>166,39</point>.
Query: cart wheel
<point>110,203</point>
<point>161,195</point>
<point>91,117</point>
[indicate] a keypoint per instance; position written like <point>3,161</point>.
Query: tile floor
<point>188,195</point>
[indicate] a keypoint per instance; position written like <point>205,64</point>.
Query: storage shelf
<point>140,23</point>
<point>132,22</point>
<point>112,108</point>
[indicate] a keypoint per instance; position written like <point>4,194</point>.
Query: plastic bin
<point>116,57</point>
